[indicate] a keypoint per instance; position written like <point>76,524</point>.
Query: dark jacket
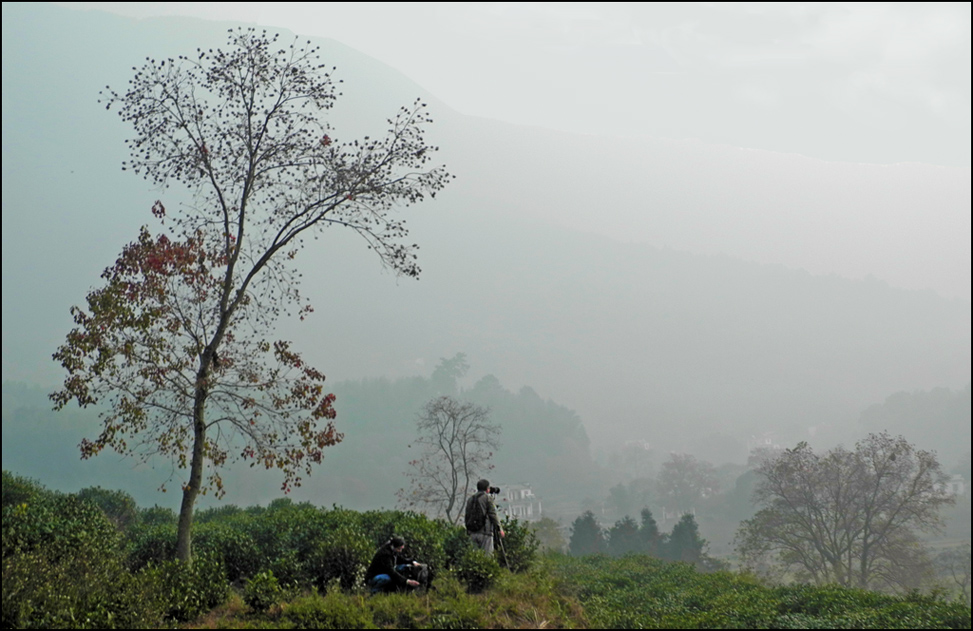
<point>384,562</point>
<point>486,504</point>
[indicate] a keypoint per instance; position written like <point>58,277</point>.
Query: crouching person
<point>390,571</point>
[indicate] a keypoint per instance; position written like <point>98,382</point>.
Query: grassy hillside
<point>96,560</point>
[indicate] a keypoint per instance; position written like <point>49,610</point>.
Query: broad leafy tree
<point>847,517</point>
<point>456,441</point>
<point>176,347</point>
<point>685,481</point>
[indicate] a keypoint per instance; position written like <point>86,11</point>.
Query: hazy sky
<point>863,82</point>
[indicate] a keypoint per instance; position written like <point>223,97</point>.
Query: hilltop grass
<point>632,592</point>
<point>93,561</point>
<point>516,601</point>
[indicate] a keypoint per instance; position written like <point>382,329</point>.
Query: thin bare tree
<point>457,440</point>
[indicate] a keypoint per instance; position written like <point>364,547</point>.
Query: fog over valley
<point>611,297</point>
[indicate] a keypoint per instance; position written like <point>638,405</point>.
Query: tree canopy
<point>177,344</point>
<point>847,517</point>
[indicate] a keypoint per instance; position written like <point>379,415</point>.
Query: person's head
<point>482,485</point>
<point>396,543</point>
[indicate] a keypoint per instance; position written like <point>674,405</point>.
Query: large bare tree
<point>175,347</point>
<point>456,441</point>
<point>848,517</point>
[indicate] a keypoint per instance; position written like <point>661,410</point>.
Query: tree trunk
<point>191,490</point>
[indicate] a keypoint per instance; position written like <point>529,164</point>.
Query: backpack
<point>475,515</point>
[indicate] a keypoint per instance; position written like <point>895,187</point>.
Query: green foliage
<point>157,516</point>
<point>333,610</point>
<point>476,569</point>
<point>424,538</point>
<point>520,545</point>
<point>262,591</point>
<point>189,590</point>
<point>59,524</point>
<point>118,506</point>
<point>19,490</point>
<point>232,545</point>
<point>623,537</point>
<point>77,591</point>
<point>586,536</point>
<point>152,545</point>
<point>62,580</point>
<point>684,543</point>
<point>549,534</point>
<point>641,592</point>
<point>343,556</point>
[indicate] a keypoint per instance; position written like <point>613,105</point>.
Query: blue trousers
<point>383,582</point>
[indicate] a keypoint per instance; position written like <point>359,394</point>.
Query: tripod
<point>498,540</point>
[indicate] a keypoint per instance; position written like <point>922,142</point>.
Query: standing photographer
<point>481,517</point>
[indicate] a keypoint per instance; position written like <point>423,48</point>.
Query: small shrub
<point>75,591</point>
<point>520,545</point>
<point>237,550</point>
<point>19,490</point>
<point>118,506</point>
<point>151,545</point>
<point>262,592</point>
<point>344,555</point>
<point>477,570</point>
<point>188,590</point>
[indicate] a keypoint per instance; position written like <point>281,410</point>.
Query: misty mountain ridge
<point>657,287</point>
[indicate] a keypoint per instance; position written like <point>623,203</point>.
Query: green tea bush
<point>285,536</point>
<point>477,570</point>
<point>156,516</point>
<point>118,506</point>
<point>456,543</point>
<point>424,537</point>
<point>58,524</point>
<point>151,545</point>
<point>520,545</point>
<point>217,514</point>
<point>262,592</point>
<point>76,591</point>
<point>235,548</point>
<point>343,555</point>
<point>18,489</point>
<point>189,590</point>
<point>334,610</point>
<point>640,592</point>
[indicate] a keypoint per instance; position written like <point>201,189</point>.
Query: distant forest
<point>543,444</point>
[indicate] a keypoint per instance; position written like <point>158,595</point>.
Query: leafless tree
<point>456,440</point>
<point>848,517</point>
<point>955,565</point>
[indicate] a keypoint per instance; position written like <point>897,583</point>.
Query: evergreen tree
<point>649,535</point>
<point>623,537</point>
<point>586,536</point>
<point>684,543</point>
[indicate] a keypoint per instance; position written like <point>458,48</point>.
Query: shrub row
<point>95,560</point>
<point>637,591</point>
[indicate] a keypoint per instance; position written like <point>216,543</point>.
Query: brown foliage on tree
<point>174,348</point>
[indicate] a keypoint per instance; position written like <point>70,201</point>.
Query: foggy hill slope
<point>639,282</point>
